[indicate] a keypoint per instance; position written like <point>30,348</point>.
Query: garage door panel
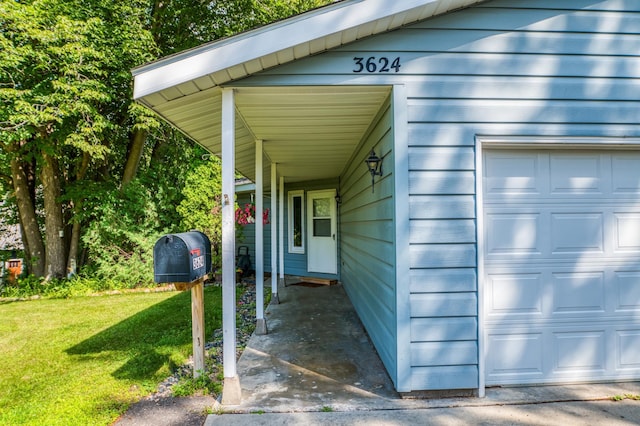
<point>577,233</point>
<point>626,173</point>
<point>579,352</point>
<point>514,295</point>
<point>513,174</point>
<point>561,175</point>
<point>561,232</point>
<point>562,354</point>
<point>578,293</point>
<point>627,290</point>
<point>571,174</point>
<point>627,232</point>
<point>561,292</point>
<point>515,355</point>
<point>561,266</point>
<point>628,342</point>
<point>513,234</point>
<point>549,293</point>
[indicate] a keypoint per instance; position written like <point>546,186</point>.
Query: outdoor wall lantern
<point>374,164</point>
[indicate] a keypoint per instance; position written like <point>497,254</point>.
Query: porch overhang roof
<point>296,122</point>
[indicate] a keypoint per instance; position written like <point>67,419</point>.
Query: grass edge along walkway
<point>84,360</point>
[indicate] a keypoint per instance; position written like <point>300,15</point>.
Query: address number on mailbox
<point>198,262</point>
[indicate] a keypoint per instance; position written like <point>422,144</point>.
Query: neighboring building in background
<point>10,238</point>
<point>10,246</point>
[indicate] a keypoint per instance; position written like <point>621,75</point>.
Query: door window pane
<point>321,227</point>
<point>321,207</point>
<point>297,222</point>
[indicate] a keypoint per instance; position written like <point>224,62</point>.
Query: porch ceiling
<point>310,131</point>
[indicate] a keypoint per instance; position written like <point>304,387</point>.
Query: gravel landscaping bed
<point>162,407</point>
<point>245,325</point>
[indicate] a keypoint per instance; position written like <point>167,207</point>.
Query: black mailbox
<point>181,258</point>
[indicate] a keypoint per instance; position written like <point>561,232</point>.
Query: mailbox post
<point>197,327</point>
<point>185,260</point>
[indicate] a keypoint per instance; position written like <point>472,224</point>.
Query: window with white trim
<point>296,222</point>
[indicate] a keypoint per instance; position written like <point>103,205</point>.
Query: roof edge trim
<point>236,50</point>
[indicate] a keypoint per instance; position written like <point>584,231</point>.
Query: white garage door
<point>562,265</point>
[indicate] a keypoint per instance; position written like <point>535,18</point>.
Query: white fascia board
<point>286,34</point>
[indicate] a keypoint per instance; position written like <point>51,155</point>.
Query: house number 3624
<point>374,64</point>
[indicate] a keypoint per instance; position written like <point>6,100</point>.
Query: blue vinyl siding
<point>246,237</point>
<point>367,243</point>
<point>504,68</point>
<point>495,83</point>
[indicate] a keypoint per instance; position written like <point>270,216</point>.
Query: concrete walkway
<point>317,366</point>
<point>598,413</point>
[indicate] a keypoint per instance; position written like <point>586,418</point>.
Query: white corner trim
<point>480,267</point>
<point>401,217</point>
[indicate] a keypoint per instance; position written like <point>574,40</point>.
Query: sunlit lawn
<point>85,360</point>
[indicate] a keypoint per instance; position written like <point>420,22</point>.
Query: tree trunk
<point>158,150</point>
<point>134,154</point>
<point>26,209</point>
<point>72,262</point>
<point>28,267</point>
<point>54,229</point>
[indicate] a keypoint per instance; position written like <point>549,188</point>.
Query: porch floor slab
<point>316,354</point>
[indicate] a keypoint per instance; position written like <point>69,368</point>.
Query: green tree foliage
<point>70,134</point>
<point>181,24</point>
<point>200,207</point>
<point>62,82</point>
<point>123,224</point>
<point>65,101</point>
<point>121,238</point>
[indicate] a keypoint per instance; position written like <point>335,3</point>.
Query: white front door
<point>322,239</point>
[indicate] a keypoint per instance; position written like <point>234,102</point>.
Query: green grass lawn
<point>84,360</point>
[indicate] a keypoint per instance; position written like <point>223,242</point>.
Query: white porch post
<point>274,234</point>
<point>261,322</point>
<point>231,394</point>
<point>281,228</point>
